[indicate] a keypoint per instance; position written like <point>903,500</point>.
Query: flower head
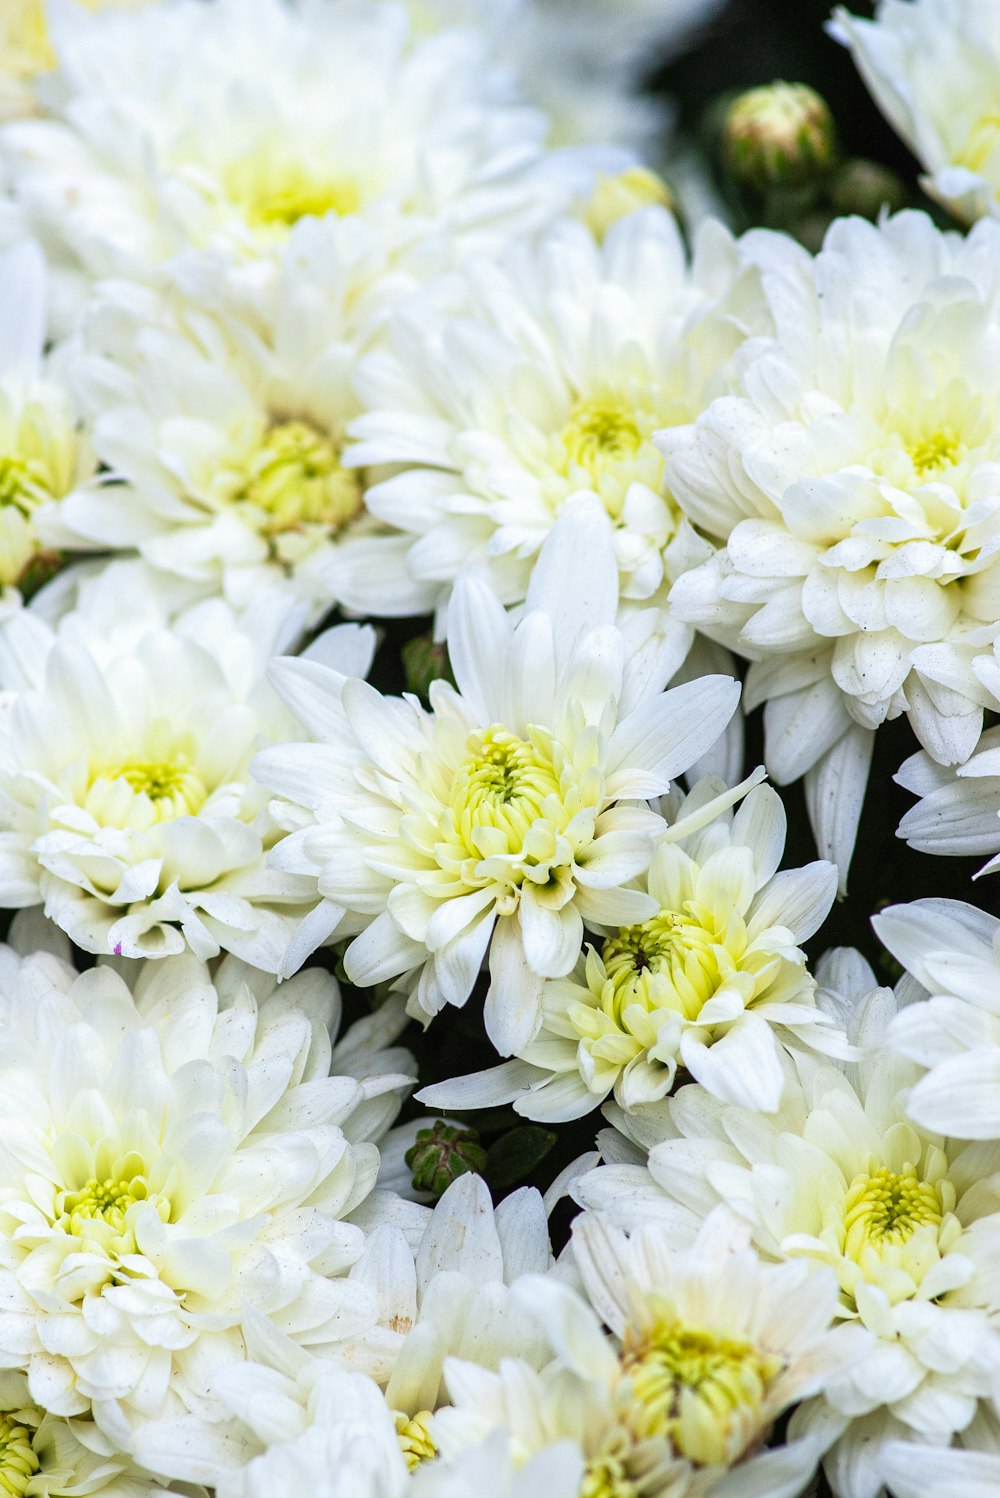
<point>851,488</point>
<point>172,1153</point>
<point>512,811</point>
<point>225,424</point>
<point>931,66</point>
<point>127,801</point>
<point>707,983</point>
<point>501,416</point>
<point>706,1348</point>
<point>211,134</point>
<point>843,1177</point>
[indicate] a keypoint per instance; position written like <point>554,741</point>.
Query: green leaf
<point>515,1155</point>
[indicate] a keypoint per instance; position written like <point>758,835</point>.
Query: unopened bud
<point>425,660</point>
<point>441,1154</point>
<point>865,188</point>
<point>781,135</point>
<point>618,195</point>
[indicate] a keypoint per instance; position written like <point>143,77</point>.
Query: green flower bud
<point>425,660</point>
<point>443,1153</point>
<point>781,135</point>
<point>865,188</point>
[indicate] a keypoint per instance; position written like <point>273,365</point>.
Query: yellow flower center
<point>669,961</point>
<point>295,479</point>
<point>600,434</point>
<point>97,1212</point>
<point>275,187</point>
<point>607,445</point>
<point>888,1208</point>
<point>415,1439</point>
<point>934,454</point>
<point>607,1476</point>
<point>171,787</point>
<point>505,780</point>
<point>702,1391</point>
<point>23,483</point>
<point>18,1462</point>
<point>891,1226</point>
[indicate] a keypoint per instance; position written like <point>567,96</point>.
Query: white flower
<point>932,66</point>
<point>958,813</point>
<point>713,982</point>
<point>842,1177</point>
<point>309,1427</point>
<point>226,422</point>
<point>44,1456</point>
<point>851,485</point>
<point>510,389</point>
<point>171,1155</point>
<point>449,1294</point>
<point>707,1349</point>
<point>125,795</point>
<point>512,811</point>
<point>451,1297</point>
<point>43,454</point>
<point>209,133</point>
<point>952,952</point>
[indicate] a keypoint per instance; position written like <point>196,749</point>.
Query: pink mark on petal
<point>118,949</point>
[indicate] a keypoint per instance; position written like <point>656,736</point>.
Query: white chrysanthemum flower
<point>307,1426</point>
<point>952,951</point>
<point>958,813</point>
<point>226,424</point>
<point>851,485</point>
<point>44,456</point>
<point>714,982</point>
<point>450,1298</point>
<point>171,1155</point>
<point>707,1349</point>
<point>44,1456</point>
<point>932,66</point>
<point>210,133</point>
<point>126,800</point>
<point>843,1178</point>
<point>449,1295</point>
<point>517,385</point>
<point>510,813</point>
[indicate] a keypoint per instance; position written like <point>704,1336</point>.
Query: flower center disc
<point>276,188</point>
<point>701,1391</point>
<point>295,479</point>
<point>18,1462</point>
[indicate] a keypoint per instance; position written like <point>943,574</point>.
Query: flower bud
<point>441,1154</point>
<point>781,135</point>
<point>865,188</point>
<point>425,660</point>
<point>617,195</point>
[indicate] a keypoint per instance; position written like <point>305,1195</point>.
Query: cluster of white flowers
<point>321,316</point>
